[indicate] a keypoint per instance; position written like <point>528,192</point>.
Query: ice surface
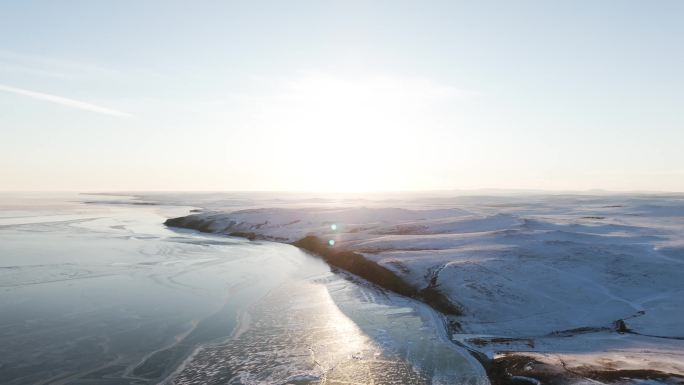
<point>104,293</point>
<point>332,331</point>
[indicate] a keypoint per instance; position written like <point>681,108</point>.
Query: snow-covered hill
<point>550,274</point>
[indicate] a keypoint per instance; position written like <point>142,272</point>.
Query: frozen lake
<point>105,294</point>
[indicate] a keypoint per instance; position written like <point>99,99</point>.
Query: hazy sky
<point>343,95</point>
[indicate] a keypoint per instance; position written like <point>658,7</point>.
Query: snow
<point>520,266</point>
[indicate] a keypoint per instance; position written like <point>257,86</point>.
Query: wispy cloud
<point>27,63</point>
<point>66,102</point>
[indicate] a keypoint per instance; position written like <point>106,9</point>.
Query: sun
<point>348,134</point>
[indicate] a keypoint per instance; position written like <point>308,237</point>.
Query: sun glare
<point>351,134</point>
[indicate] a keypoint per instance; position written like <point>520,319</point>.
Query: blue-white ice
<point>103,293</point>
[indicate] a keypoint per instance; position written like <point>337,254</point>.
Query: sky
<point>341,95</point>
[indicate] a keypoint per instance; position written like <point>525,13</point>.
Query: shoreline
<point>503,367</point>
<point>356,264</point>
<point>347,260</point>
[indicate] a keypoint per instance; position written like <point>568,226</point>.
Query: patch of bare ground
<point>373,250</point>
<point>620,376</point>
<point>484,341</point>
<point>518,368</point>
<point>398,265</point>
<point>404,230</point>
<point>580,330</point>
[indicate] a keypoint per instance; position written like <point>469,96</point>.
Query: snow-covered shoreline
<point>544,275</point>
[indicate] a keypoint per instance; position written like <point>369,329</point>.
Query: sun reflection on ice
<point>298,333</point>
